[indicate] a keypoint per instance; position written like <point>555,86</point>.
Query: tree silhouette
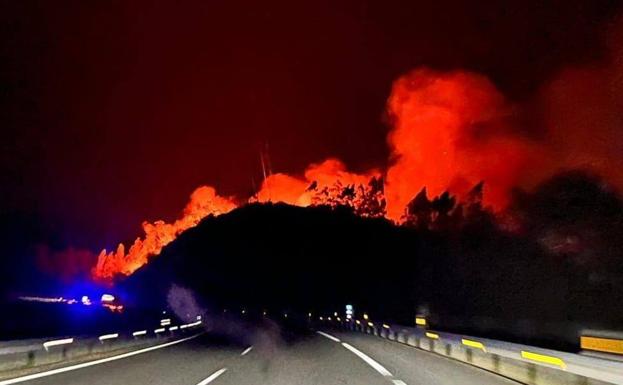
<point>418,211</point>
<point>441,208</point>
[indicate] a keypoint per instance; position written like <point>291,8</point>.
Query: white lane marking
<point>65,341</point>
<point>375,365</point>
<point>247,350</point>
<point>213,376</point>
<point>159,330</point>
<point>329,336</point>
<point>139,333</point>
<point>91,363</point>
<point>399,382</point>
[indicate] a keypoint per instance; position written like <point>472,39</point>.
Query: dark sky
<point>112,113</point>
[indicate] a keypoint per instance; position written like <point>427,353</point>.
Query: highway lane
<point>186,363</point>
<point>417,367</point>
<point>309,360</point>
<point>297,358</point>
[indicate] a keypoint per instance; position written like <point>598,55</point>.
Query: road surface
<point>305,359</point>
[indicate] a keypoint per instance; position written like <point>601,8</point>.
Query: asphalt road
<point>301,358</point>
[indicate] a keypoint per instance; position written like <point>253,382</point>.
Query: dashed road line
<point>247,350</point>
<point>213,376</point>
<point>367,359</point>
<point>329,336</point>
<point>375,365</point>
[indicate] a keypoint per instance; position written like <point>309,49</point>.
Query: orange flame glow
<point>450,132</point>
<point>301,191</point>
<point>203,202</point>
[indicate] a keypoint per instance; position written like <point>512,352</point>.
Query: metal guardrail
<point>526,364</point>
<point>30,354</point>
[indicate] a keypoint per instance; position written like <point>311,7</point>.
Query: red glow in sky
<point>113,113</point>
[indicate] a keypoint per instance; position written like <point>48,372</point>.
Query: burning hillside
<point>449,131</point>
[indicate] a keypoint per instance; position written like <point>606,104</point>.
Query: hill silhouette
<point>276,256</point>
<point>469,273</point>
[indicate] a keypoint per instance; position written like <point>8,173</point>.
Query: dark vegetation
<point>538,273</point>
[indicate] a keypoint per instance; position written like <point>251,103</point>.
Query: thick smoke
<point>576,215</point>
<point>581,113</point>
<point>183,303</point>
<point>449,131</point>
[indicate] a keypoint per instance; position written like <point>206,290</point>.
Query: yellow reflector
<point>432,335</point>
<point>608,345</point>
<point>543,358</point>
<point>370,324</point>
<point>420,321</point>
<point>474,344</point>
<point>386,326</point>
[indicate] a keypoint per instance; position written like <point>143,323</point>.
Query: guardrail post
<point>532,373</point>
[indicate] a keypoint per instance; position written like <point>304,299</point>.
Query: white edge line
<point>91,363</point>
<point>247,350</point>
<point>399,382</point>
<point>375,365</point>
<point>213,376</point>
<point>329,336</point>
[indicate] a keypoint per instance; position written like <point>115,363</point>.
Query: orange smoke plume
<point>450,132</point>
<point>203,202</point>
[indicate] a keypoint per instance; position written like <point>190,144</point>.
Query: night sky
<point>112,113</point>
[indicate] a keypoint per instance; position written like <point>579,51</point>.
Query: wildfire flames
<point>203,202</point>
<point>302,191</point>
<point>449,131</point>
